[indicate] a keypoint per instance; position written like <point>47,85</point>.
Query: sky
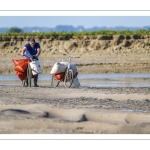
<point>86,21</point>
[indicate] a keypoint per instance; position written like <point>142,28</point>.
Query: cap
<point>32,40</point>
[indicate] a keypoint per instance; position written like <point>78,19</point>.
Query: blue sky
<point>86,21</point>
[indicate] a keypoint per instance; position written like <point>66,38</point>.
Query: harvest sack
<point>74,68</point>
<point>19,61</point>
<point>21,68</point>
<point>61,67</point>
<point>22,75</point>
<point>76,82</point>
<point>35,66</point>
<point>59,76</point>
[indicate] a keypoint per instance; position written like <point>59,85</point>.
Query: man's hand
<point>22,54</point>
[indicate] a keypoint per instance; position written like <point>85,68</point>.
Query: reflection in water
<point>91,80</point>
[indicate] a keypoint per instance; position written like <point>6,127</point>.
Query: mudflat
<point>47,110</point>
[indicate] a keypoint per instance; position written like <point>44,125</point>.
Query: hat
<point>32,40</point>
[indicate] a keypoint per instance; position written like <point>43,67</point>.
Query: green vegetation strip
<point>71,34</point>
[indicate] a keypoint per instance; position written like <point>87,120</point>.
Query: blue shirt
<point>31,51</point>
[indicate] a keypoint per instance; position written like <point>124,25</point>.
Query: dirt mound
<point>99,54</point>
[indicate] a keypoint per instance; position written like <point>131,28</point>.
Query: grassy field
<point>83,33</point>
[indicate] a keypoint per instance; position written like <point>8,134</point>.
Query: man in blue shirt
<point>31,48</point>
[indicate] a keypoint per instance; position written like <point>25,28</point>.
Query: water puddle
<point>90,80</point>
<point>128,110</point>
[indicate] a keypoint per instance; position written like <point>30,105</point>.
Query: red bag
<point>19,61</point>
<point>33,76</point>
<point>59,76</point>
<point>75,75</point>
<point>22,67</point>
<point>22,75</point>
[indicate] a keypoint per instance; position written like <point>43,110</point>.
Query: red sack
<point>21,67</point>
<point>19,61</point>
<point>75,75</point>
<point>33,76</point>
<point>59,76</point>
<point>22,75</point>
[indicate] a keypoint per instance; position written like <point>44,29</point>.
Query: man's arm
<point>23,51</point>
<point>38,52</point>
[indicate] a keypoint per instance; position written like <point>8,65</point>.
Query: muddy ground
<point>84,110</point>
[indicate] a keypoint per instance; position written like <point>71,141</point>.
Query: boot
<point>26,84</point>
<point>35,81</point>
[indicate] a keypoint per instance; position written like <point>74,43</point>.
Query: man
<point>31,48</point>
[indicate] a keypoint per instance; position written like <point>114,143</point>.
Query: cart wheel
<point>29,75</point>
<point>68,78</point>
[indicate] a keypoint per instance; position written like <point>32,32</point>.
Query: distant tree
<point>14,30</point>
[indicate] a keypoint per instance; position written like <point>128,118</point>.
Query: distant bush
<point>14,30</point>
<point>19,32</point>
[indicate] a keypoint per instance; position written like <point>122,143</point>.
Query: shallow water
<point>91,80</point>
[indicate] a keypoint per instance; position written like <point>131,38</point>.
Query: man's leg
<point>35,81</point>
<point>26,82</point>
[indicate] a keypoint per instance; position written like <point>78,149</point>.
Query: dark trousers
<point>35,80</point>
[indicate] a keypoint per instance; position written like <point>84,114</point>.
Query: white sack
<point>76,82</point>
<point>61,67</point>
<point>35,66</point>
<point>74,68</point>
